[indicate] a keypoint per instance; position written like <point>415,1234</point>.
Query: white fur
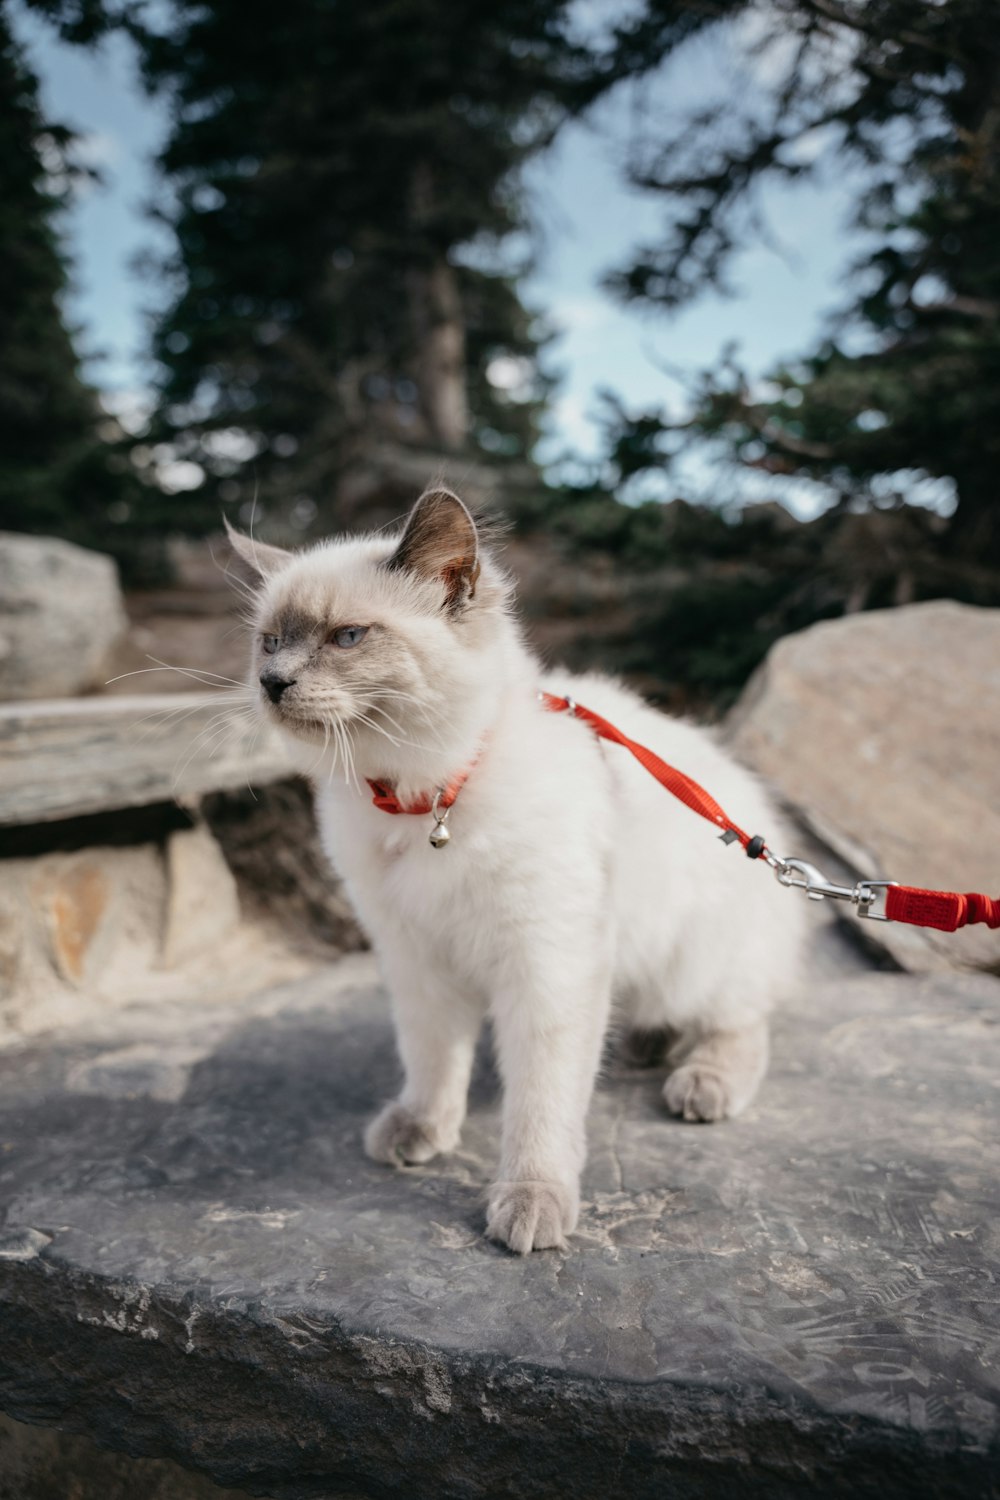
<point>573,883</point>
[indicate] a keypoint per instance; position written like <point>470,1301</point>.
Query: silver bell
<point>439,836</point>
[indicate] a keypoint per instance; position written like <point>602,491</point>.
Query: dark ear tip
<point>440,494</point>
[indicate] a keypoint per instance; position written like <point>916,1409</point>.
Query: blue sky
<point>587,220</point>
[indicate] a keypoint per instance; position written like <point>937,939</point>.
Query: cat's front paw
<point>696,1092</point>
<point>396,1136</point>
<point>531,1215</point>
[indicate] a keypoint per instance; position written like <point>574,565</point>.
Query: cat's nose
<point>274,685</point>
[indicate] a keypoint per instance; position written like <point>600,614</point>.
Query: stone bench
<point>150,848</point>
<point>73,757</point>
<point>198,1263</point>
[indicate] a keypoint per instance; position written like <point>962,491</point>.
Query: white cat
<point>572,886</point>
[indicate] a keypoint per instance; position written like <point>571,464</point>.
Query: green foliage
<point>909,385</point>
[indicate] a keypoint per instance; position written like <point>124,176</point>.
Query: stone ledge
<point>66,757</point>
<point>801,1302</point>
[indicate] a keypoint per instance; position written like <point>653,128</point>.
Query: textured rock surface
<point>64,758</point>
<point>198,1262</point>
<point>882,730</point>
<point>38,1464</point>
<point>61,617</point>
<point>203,907</point>
<point>92,930</point>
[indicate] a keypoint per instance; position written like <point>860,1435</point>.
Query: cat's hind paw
<point>396,1136</point>
<point>530,1215</point>
<point>697,1093</point>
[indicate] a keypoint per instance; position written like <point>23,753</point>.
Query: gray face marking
<point>323,681</point>
<point>295,627</point>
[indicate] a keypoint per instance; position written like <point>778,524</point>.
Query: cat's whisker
<point>378,729</point>
<point>345,753</point>
<point>199,671</point>
<point>395,739</point>
<point>209,736</point>
<point>337,752</point>
<point>170,718</point>
<point>242,623</point>
<point>175,716</point>
<point>433,718</point>
<point>218,721</point>
<point>203,678</point>
<point>241,586</point>
<point>251,747</point>
<point>165,713</point>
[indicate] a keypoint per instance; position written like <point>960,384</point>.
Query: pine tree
<point>911,92</point>
<point>342,182</point>
<point>56,474</point>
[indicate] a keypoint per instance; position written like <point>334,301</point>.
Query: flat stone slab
<point>199,1263</point>
<point>68,757</point>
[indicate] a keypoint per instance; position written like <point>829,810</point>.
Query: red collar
<point>385,799</point>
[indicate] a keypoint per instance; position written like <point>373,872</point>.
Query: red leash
<point>945,910</point>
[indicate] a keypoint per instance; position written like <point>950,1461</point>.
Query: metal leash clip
<point>800,875</point>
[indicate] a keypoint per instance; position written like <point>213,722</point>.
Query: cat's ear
<point>264,559</point>
<point>440,541</point>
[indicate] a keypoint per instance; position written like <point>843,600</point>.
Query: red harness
<point>944,910</point>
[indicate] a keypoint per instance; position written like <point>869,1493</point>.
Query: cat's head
<point>388,637</point>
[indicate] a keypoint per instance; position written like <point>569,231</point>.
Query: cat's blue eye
<point>269,644</point>
<point>349,635</point>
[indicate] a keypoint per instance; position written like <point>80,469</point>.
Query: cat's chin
<point>312,731</point>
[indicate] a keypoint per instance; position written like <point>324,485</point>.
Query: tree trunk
<point>974,531</point>
<point>438,330</point>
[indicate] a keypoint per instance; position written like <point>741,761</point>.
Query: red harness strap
<point>689,792</point>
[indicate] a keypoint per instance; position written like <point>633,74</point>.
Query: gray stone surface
<point>882,729</point>
<point>67,757</point>
<point>199,1264</point>
<point>61,616</point>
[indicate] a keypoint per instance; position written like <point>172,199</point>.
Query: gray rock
<point>881,730</point>
<point>69,757</point>
<point>798,1303</point>
<point>61,616</point>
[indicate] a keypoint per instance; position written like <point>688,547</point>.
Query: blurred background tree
<point>906,385</point>
<point>342,183</point>
<point>60,469</point>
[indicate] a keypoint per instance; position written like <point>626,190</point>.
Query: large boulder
<point>882,730</point>
<point>61,617</point>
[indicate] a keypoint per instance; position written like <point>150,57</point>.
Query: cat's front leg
<point>549,1030</point>
<point>436,1029</point>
